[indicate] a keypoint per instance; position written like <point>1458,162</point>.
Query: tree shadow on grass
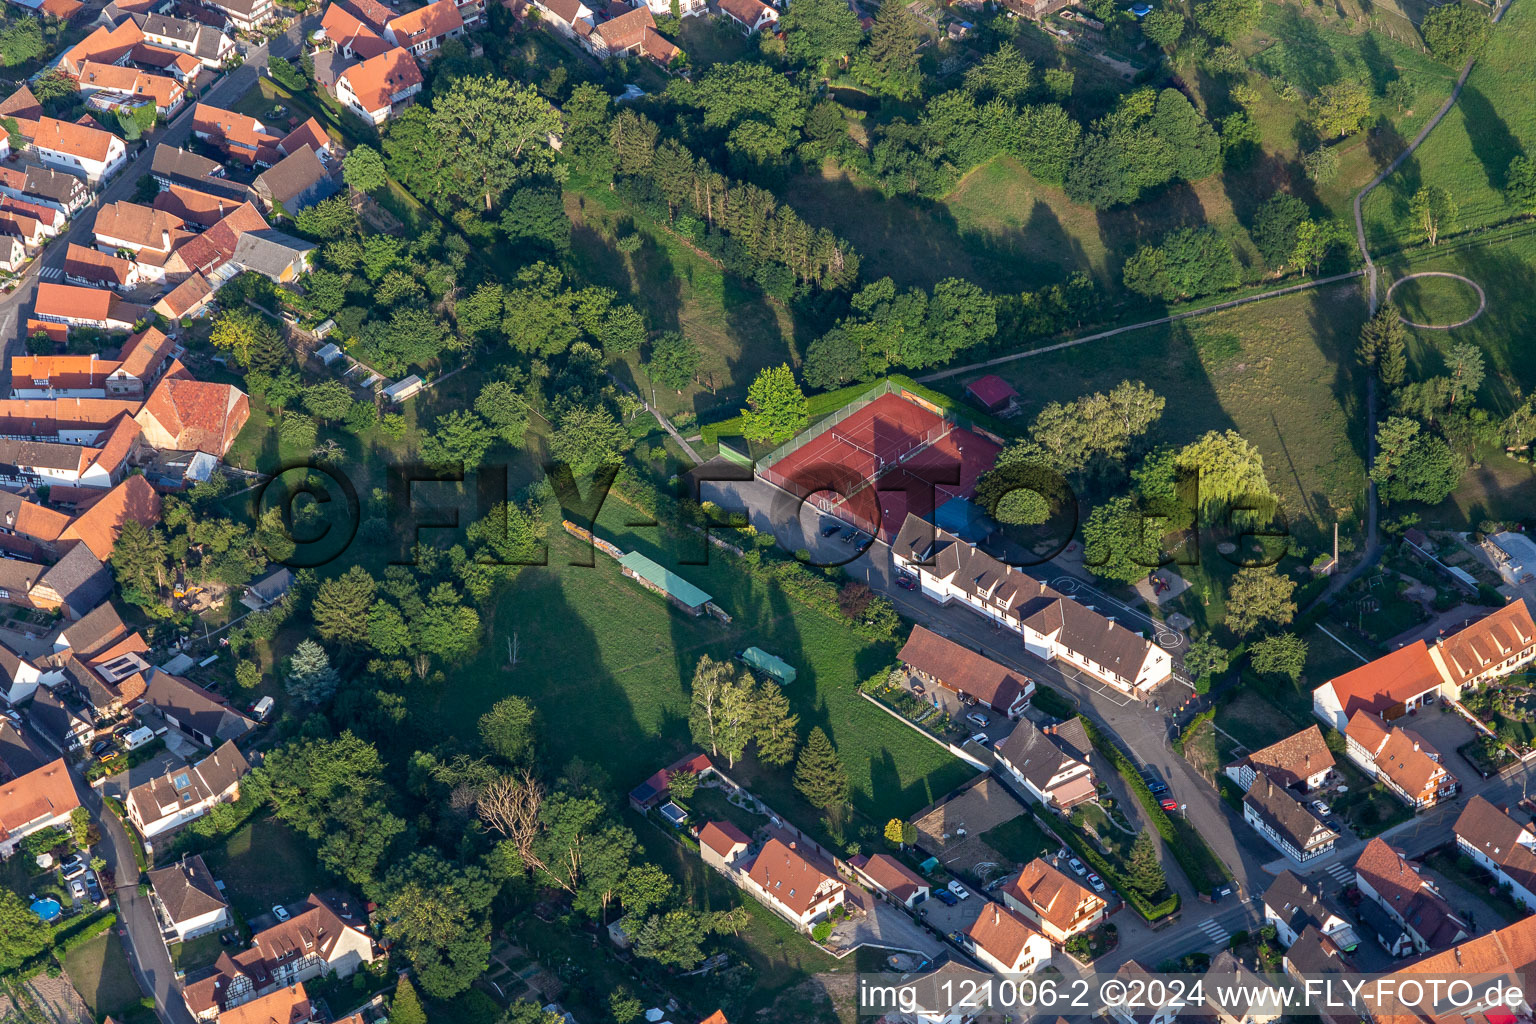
<point>1492,142</point>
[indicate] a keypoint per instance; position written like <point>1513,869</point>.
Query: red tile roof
<point>721,836</point>
<point>70,137</point>
<point>1002,933</point>
<point>346,30</point>
<point>378,80</point>
<point>196,414</point>
<point>1387,681</point>
<point>1489,642</point>
<point>103,46</point>
<point>95,265</point>
<point>163,90</point>
<point>424,23</point>
<point>67,300</point>
<point>791,879</point>
<point>99,527</point>
<point>46,791</point>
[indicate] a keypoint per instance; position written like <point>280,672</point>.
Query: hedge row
<point>1199,864</point>
<point>1148,910</point>
<point>77,933</point>
<point>1189,730</point>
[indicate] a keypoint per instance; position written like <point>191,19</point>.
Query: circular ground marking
<point>1482,299</point>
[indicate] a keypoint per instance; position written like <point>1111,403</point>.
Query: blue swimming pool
<point>48,909</point>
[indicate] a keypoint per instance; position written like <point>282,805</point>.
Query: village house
<point>29,530</point>
<point>324,938</point>
<point>279,257</point>
<point>1401,759</point>
<point>793,884</point>
<point>42,798</point>
<point>13,253</point>
<point>1249,1002</point>
<point>183,67</point>
<point>1051,763</point>
<point>105,45</point>
<point>143,358</point>
<point>1006,942</point>
<point>74,585</point>
<point>1053,626</point>
<point>194,711</point>
<point>1301,762</point>
<point>90,153</point>
<point>19,678</point>
<point>193,415</point>
<point>891,878</point>
<point>1385,876</point>
<point>295,182</point>
<point>146,234</point>
<point>1414,676</point>
<point>350,36</point>
<point>98,527</point>
<point>685,8</point>
<point>1288,826</point>
<point>244,15</point>
<point>632,33</point>
<point>45,187</point>
<point>187,899</point>
<point>1059,906</point>
<point>1292,906</point>
<point>570,18</point>
<point>92,268</point>
<point>170,166</point>
<point>57,723</point>
<point>206,43</point>
<point>109,86</point>
<point>1505,953</point>
<point>284,1006</point>
<point>1500,844</point>
<point>1158,1006</point>
<point>423,30</point>
<point>749,15</point>
<point>936,661</point>
<point>721,846</point>
<point>380,87</point>
<point>184,794</point>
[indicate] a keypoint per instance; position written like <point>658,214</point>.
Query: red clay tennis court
<point>915,459</point>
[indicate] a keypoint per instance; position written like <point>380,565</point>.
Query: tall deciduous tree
<point>1412,464</point>
<point>1456,33</point>
<point>1282,654</point>
<point>821,32</point>
<point>776,407</point>
<point>1434,210</point>
<point>1259,595</point>
<point>510,729</point>
<point>363,169</point>
<point>491,134</point>
<point>673,361</point>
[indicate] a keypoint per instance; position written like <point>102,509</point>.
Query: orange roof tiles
<point>1391,679</point>
<point>67,300</point>
<point>721,836</point>
<point>99,527</point>
<point>1002,933</point>
<point>1487,643</point>
<point>145,352</point>
<point>424,23</point>
<point>347,31</point>
<point>56,332</point>
<point>239,134</point>
<point>103,46</point>
<point>285,1006</point>
<point>193,206</point>
<point>371,12</point>
<point>21,103</point>
<point>45,792</point>
<point>310,134</point>
<point>378,80</point>
<point>186,298</point>
<point>1054,896</point>
<point>46,417</point>
<point>71,137</point>
<point>196,414</point>
<point>142,226</point>
<point>164,91</point>
<point>789,878</point>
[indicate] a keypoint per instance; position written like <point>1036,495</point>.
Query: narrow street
<point>1143,729</point>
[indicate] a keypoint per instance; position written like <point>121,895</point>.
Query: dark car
<point>101,747</point>
<point>850,535</point>
<point>906,582</point>
<point>945,897</point>
<point>830,529</point>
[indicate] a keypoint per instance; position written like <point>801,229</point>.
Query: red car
<point>1170,805</point>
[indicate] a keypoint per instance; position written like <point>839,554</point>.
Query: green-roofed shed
<point>760,660</point>
<point>665,582</point>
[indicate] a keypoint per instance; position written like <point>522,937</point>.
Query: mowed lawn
<point>266,863</point>
<point>738,329</point>
<point>608,664</point>
<point>1497,487</point>
<point>1468,153</point>
<point>100,973</point>
<point>1280,372</point>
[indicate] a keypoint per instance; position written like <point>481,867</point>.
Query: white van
<point>262,708</point>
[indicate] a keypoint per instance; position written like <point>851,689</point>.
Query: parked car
<point>979,719</point>
<point>959,890</point>
<point>980,739</point>
<point>109,757</point>
<point>831,528</point>
<point>1077,867</point>
<point>280,912</point>
<point>945,897</point>
<point>1321,808</point>
<point>906,582</point>
<point>849,535</point>
<point>1096,883</point>
<point>101,747</point>
<point>76,860</point>
<point>77,889</point>
<point>73,871</point>
<point>1170,805</point>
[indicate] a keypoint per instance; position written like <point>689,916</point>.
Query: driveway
<point>1144,728</point>
<point>161,764</point>
<point>885,925</point>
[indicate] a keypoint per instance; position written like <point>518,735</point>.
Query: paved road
<point>137,925</point>
<point>14,307</point>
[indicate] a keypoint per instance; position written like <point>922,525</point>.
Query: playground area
<point>875,462</point>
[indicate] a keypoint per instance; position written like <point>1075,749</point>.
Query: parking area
<point>970,717</point>
<point>161,764</point>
